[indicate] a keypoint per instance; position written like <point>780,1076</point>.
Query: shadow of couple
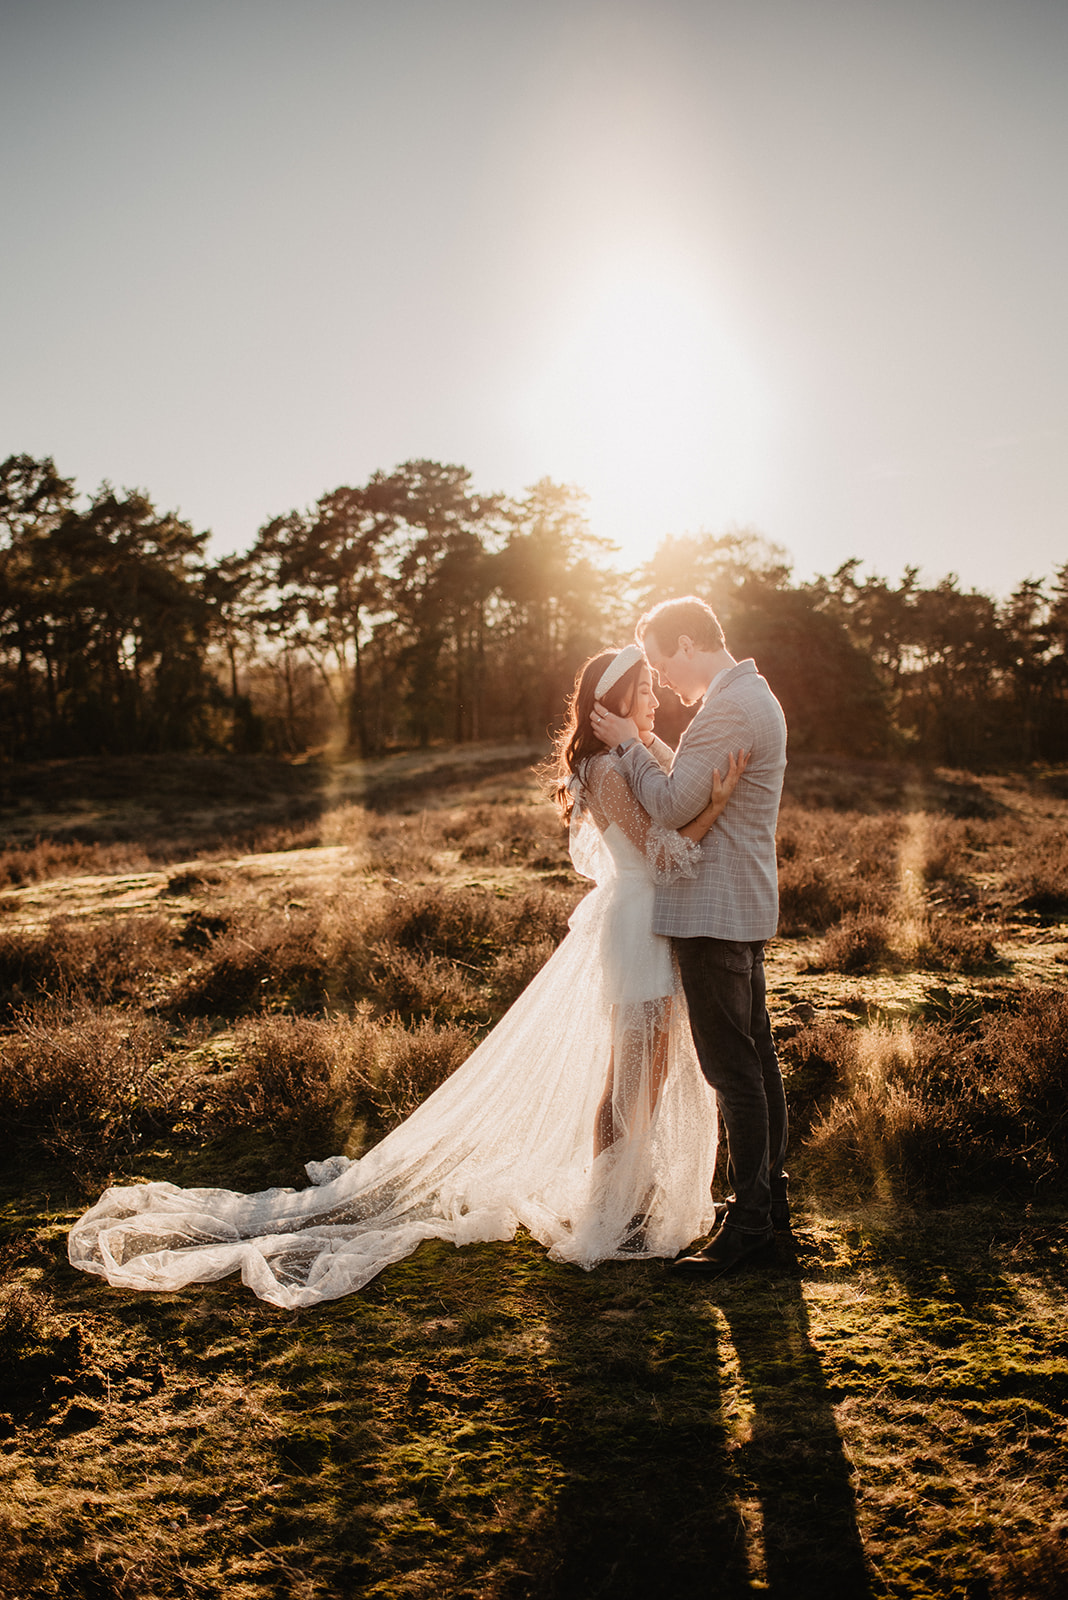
<point>713,1446</point>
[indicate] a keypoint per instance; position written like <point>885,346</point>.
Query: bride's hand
<point>723,788</point>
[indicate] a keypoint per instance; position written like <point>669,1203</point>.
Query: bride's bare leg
<point>606,1128</point>
<point>604,1123</point>
<point>660,1057</point>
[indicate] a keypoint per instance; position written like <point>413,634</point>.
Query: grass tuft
<point>106,961</point>
<point>927,1111</point>
<point>91,1086</point>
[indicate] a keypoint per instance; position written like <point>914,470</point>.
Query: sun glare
<point>651,401</point>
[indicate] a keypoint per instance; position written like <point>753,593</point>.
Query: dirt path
<point>112,894</point>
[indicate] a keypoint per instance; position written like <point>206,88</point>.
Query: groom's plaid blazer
<point>736,893</point>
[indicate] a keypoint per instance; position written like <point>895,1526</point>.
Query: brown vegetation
<point>483,1422</point>
<point>921,1112</point>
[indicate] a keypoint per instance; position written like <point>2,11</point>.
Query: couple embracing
<point>719,919</point>
<point>590,1114</point>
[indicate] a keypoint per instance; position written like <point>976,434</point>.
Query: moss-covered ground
<point>881,1409</point>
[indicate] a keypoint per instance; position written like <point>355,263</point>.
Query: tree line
<point>413,608</point>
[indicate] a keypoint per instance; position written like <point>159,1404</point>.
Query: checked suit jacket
<point>735,894</point>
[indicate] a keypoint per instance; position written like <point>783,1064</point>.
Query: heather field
<point>213,967</point>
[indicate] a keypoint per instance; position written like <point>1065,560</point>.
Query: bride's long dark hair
<point>576,740</point>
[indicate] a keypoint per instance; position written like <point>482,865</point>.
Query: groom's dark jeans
<point>725,991</point>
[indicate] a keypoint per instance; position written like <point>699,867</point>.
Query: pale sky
<point>785,264</point>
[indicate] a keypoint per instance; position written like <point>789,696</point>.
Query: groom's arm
<point>663,752</point>
<point>673,798</point>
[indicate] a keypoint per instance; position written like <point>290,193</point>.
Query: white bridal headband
<point>628,657</point>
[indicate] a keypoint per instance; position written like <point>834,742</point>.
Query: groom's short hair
<point>673,618</point>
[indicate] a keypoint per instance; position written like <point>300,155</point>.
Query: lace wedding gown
<point>583,1117</point>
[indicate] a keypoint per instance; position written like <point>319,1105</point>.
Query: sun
<point>648,395</point>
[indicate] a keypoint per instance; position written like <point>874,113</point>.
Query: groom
<point>718,922</point>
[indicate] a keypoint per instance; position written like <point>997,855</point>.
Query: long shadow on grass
<point>698,1450</point>
<point>476,1422</point>
<point>645,1503</point>
<point>793,1469</point>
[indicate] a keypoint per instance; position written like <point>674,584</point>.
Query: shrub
<point>64,858</point>
<point>462,955</point>
<point>463,924</point>
<point>903,1125</point>
<point>817,1060</point>
<point>90,1086</point>
<point>398,849</point>
<point>810,900</point>
<point>887,1140</point>
<point>313,1079</point>
<point>1020,1064</point>
<point>1038,874</point>
<point>423,986</point>
<point>258,960</point>
<point>861,942</point>
<point>472,925</point>
<point>947,944</point>
<point>507,833</point>
<point>411,1063</point>
<point>420,952</point>
<point>928,1111</point>
<point>513,969</point>
<point>832,865</point>
<point>947,843</point>
<point>105,961</point>
<point>192,879</point>
<point>287,1077</point>
<point>867,941</point>
<point>348,825</point>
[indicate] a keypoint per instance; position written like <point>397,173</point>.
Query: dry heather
<point>101,962</point>
<point>153,812</point>
<point>318,1079</point>
<point>321,1025</point>
<point>486,1421</point>
<point>423,952</point>
<point>1037,872</point>
<point>245,1005</point>
<point>834,864</point>
<point>914,891</point>
<point>838,862</point>
<point>870,941</point>
<point>923,1111</point>
<point>90,1087</point>
<point>57,858</point>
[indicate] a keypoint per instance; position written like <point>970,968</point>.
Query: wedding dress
<point>583,1117</point>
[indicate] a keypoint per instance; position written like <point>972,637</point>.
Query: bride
<point>583,1117</point>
